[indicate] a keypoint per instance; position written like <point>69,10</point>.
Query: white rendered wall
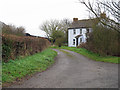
<point>72,36</point>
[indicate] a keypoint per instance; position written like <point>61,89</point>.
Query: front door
<point>76,41</point>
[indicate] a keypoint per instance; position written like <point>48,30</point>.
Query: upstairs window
<point>73,41</point>
<point>80,31</point>
<point>88,30</point>
<point>74,31</point>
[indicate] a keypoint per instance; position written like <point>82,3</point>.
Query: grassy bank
<point>16,69</point>
<point>91,55</point>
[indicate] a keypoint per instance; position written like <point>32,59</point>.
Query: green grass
<point>17,69</point>
<point>91,55</point>
<point>67,53</point>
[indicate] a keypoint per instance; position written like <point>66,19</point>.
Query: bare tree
<point>109,11</point>
<point>49,27</point>
<point>65,23</point>
<point>56,28</point>
<point>20,30</point>
<point>12,29</point>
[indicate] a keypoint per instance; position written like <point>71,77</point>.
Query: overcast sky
<point>32,13</point>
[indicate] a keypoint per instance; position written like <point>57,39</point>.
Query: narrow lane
<point>73,70</point>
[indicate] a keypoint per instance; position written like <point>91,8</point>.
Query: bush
<point>11,29</point>
<point>15,46</point>
<point>103,41</point>
<point>59,41</point>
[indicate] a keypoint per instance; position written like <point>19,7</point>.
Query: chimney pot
<point>75,19</point>
<point>103,15</point>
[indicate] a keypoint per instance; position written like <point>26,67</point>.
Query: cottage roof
<point>85,23</point>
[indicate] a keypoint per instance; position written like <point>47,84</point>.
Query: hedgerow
<point>19,46</point>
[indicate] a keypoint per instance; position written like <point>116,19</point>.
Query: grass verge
<point>17,69</point>
<point>91,55</point>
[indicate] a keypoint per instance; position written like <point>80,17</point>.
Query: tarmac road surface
<point>73,70</point>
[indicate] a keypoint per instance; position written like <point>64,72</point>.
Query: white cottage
<point>78,31</point>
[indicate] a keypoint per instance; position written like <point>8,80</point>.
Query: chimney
<point>75,19</point>
<point>103,15</point>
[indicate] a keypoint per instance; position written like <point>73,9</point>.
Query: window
<point>80,39</point>
<point>73,41</point>
<point>74,31</point>
<point>87,30</point>
<point>80,31</point>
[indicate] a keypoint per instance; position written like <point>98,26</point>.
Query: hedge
<point>19,46</point>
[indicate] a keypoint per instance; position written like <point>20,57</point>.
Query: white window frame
<point>73,41</point>
<point>81,31</point>
<point>88,30</point>
<point>74,31</point>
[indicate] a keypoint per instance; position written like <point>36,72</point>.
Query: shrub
<point>11,29</point>
<point>103,41</point>
<point>59,41</point>
<point>15,46</point>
